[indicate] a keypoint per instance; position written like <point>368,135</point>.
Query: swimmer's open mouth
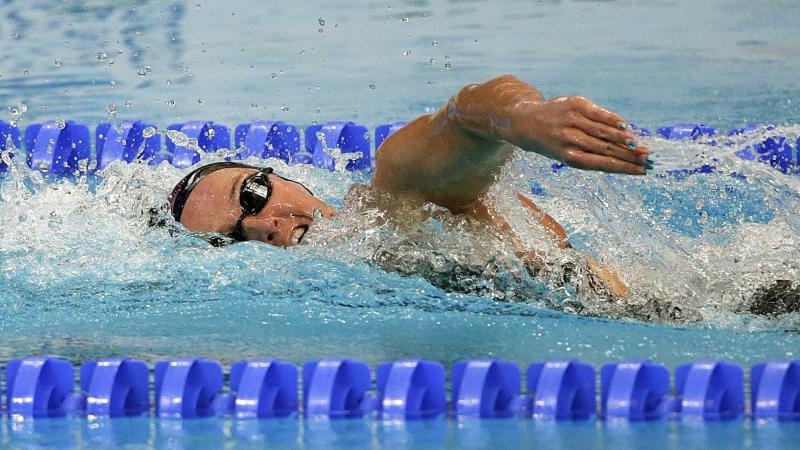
<point>298,234</point>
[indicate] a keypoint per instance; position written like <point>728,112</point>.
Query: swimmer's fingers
<point>579,159</point>
<point>598,114</point>
<point>591,144</point>
<point>612,135</point>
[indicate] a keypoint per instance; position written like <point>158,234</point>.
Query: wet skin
<point>449,158</point>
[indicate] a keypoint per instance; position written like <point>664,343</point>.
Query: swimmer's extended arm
<point>452,156</point>
<point>481,211</point>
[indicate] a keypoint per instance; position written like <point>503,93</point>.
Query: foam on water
<point>79,262</point>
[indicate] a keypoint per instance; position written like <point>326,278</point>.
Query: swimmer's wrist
<point>525,124</point>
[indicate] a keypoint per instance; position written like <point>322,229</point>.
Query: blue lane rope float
<point>775,150</point>
<point>125,141</point>
<point>710,390</point>
<point>409,389</point>
<point>682,131</point>
<point>349,137</point>
<point>634,390</point>
<point>775,390</point>
<point>208,135</point>
<point>114,387</point>
<point>564,390</point>
<point>57,147</point>
<point>268,140</point>
<point>185,388</point>
<point>485,388</point>
<point>261,389</point>
<point>335,388</point>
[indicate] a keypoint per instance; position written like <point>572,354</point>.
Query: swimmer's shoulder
<point>401,157</point>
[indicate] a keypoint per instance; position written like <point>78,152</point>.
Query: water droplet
<point>200,101</point>
<point>61,124</point>
<point>58,62</point>
<point>406,53</point>
<point>429,82</point>
<point>169,82</point>
<point>320,30</point>
<point>476,41</point>
<point>139,33</point>
<point>321,22</point>
<point>111,109</point>
<point>14,123</point>
<point>448,66</point>
<point>178,138</point>
<point>254,105</point>
<point>18,110</point>
<point>113,84</point>
<point>120,51</point>
<point>302,52</point>
<point>171,102</point>
<point>284,108</point>
<point>432,60</point>
<point>26,72</point>
<point>102,56</point>
<point>404,20</point>
<point>273,75</point>
<point>435,43</point>
<point>211,133</point>
<point>372,86</point>
<point>128,103</point>
<point>148,132</point>
<point>44,107</point>
<point>142,72</point>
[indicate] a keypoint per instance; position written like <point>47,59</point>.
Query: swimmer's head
<point>246,203</point>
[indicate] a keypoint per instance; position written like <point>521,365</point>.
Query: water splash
<point>692,248</point>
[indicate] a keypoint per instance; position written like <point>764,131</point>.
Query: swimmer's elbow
<point>485,110</point>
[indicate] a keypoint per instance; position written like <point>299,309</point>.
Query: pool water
<point>82,277</point>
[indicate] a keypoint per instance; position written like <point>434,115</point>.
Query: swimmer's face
<point>213,206</point>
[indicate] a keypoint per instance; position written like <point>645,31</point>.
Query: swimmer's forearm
<point>569,129</point>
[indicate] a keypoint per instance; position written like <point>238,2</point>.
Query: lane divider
<point>408,389</point>
<point>58,147</point>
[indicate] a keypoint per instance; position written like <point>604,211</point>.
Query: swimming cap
<point>181,191</point>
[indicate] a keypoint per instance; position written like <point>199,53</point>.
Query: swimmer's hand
<point>579,133</point>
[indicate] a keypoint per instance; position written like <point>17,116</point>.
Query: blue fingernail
<point>649,160</point>
<point>631,145</point>
<point>648,171</point>
<point>623,125</point>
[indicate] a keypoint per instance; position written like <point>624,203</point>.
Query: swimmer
<point>449,158</point>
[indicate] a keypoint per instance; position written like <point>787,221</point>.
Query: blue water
<point>488,433</point>
<point>81,276</point>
